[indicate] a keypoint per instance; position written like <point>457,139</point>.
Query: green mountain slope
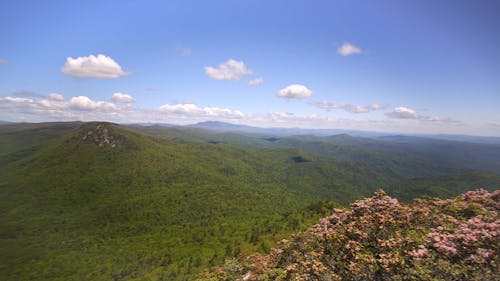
<point>107,203</point>
<point>391,158</point>
<point>100,201</point>
<point>21,136</point>
<point>443,186</point>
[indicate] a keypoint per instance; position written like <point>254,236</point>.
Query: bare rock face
<point>101,134</point>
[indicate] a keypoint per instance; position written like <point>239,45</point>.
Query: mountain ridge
<point>172,201</point>
<point>284,131</point>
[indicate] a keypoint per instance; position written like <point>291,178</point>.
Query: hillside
<point>379,238</point>
<point>443,186</point>
<point>104,202</point>
<point>101,201</point>
<point>26,136</point>
<point>395,158</point>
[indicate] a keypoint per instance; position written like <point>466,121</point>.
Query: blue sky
<point>396,66</point>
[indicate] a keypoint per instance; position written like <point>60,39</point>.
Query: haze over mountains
<point>100,201</point>
<point>229,127</point>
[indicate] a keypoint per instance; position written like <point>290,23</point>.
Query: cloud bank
<point>54,107</point>
<point>410,114</point>
<point>192,110</point>
<point>86,104</point>
<point>349,107</point>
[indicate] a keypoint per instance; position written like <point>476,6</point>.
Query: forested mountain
<point>101,201</point>
<point>401,157</point>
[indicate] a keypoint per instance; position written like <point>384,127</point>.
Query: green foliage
<point>442,186</point>
<point>71,210</point>
<point>16,137</point>
<point>166,203</point>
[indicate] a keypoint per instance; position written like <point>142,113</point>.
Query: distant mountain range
<point>229,127</point>
<point>220,126</point>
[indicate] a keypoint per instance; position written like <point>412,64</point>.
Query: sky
<point>389,66</point>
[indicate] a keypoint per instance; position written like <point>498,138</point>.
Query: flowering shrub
<point>379,238</point>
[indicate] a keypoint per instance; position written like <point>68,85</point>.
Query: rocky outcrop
<point>101,134</point>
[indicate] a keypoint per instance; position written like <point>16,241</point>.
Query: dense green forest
<point>100,201</point>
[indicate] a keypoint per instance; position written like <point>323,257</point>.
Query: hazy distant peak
<point>216,124</point>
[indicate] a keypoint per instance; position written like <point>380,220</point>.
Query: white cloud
<point>186,52</point>
<point>403,113</point>
<point>230,70</point>
<point>86,104</point>
<point>294,91</point>
<point>256,81</point>
<point>52,108</point>
<point>56,96</point>
<point>3,61</point>
<point>408,113</point>
<point>52,104</point>
<point>183,109</point>
<point>52,101</point>
<point>45,108</point>
<point>15,99</point>
<point>56,101</point>
<point>349,107</point>
<point>122,98</point>
<point>28,106</point>
<point>288,117</point>
<point>99,66</point>
<point>348,49</point>
<point>192,110</point>
<point>223,112</point>
<point>41,108</point>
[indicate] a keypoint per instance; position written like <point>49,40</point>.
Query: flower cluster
<point>379,238</point>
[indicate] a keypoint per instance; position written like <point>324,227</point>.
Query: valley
<point>102,201</point>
